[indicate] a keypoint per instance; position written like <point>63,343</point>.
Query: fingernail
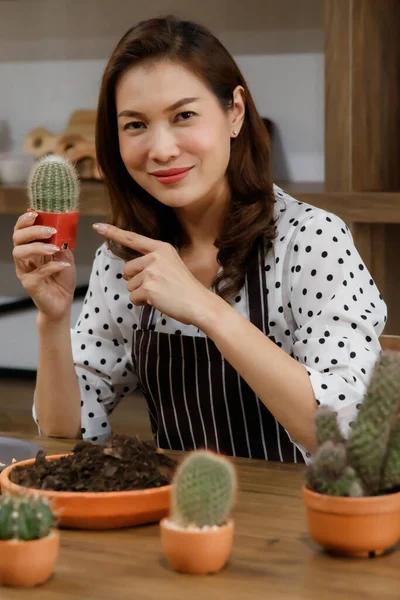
<point>48,230</point>
<point>28,216</point>
<point>51,248</point>
<point>101,227</point>
<point>64,264</point>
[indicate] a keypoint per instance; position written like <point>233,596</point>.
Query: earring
<point>234,133</point>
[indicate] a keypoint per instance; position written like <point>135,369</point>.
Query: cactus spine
<point>53,185</point>
<point>203,490</point>
<point>25,517</point>
<point>368,463</point>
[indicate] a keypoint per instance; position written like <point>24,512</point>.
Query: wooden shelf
<point>93,199</point>
<point>352,207</point>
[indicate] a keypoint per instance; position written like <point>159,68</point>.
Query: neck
<point>202,222</point>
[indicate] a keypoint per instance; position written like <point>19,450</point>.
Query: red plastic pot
<point>66,225</point>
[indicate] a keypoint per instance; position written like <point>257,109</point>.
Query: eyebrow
<point>176,105</point>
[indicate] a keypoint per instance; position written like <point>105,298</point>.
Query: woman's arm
<point>335,314</point>
<point>84,372</point>
<point>57,396</point>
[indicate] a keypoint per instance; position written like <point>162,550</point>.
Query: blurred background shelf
<point>93,200</point>
<point>352,207</point>
<point>335,101</point>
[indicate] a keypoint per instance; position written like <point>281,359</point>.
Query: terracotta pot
<point>25,564</point>
<point>353,526</point>
<point>96,510</point>
<point>197,552</point>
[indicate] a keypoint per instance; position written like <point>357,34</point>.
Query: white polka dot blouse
<point>324,309</point>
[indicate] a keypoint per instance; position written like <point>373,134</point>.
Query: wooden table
<point>272,558</point>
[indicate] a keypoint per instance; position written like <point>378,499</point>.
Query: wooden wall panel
<point>337,96</point>
<point>375,58</point>
<point>391,292</point>
<point>362,124</point>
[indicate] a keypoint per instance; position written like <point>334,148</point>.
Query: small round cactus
<point>203,490</point>
<point>53,185</point>
<point>25,517</point>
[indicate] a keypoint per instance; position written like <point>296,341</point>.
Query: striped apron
<point>196,399</point>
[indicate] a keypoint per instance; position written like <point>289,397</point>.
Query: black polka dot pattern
<point>102,361</point>
<point>324,310</point>
<point>330,296</point>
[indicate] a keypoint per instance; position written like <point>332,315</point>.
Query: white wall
<point>53,52</point>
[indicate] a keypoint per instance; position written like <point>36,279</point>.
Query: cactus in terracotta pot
<point>198,535</point>
<point>29,540</point>
<point>368,462</point>
<point>53,191</point>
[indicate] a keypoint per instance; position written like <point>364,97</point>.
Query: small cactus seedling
<point>25,517</point>
<point>203,490</point>
<point>53,185</point>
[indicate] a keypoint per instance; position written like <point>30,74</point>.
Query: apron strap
<point>256,285</point>
<point>146,316</point>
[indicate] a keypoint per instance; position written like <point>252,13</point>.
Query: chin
<point>176,198</point>
<point>176,202</point>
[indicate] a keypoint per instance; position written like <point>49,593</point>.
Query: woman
<point>235,308</point>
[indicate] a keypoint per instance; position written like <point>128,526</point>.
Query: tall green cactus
<point>368,462</point>
<point>203,490</point>
<point>372,431</point>
<point>53,185</point>
<point>26,517</point>
<point>391,474</point>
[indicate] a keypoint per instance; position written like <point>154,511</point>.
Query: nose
<point>163,146</point>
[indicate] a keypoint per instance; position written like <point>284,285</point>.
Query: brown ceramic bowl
<point>353,526</point>
<point>97,510</point>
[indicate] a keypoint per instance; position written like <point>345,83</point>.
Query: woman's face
<point>169,120</point>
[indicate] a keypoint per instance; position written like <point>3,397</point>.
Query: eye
<point>186,115</point>
<point>133,125</point>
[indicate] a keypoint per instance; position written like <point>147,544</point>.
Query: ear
<point>237,111</point>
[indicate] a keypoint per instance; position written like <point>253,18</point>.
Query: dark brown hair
<point>250,214</point>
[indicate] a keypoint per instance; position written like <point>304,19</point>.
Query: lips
<point>170,172</point>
